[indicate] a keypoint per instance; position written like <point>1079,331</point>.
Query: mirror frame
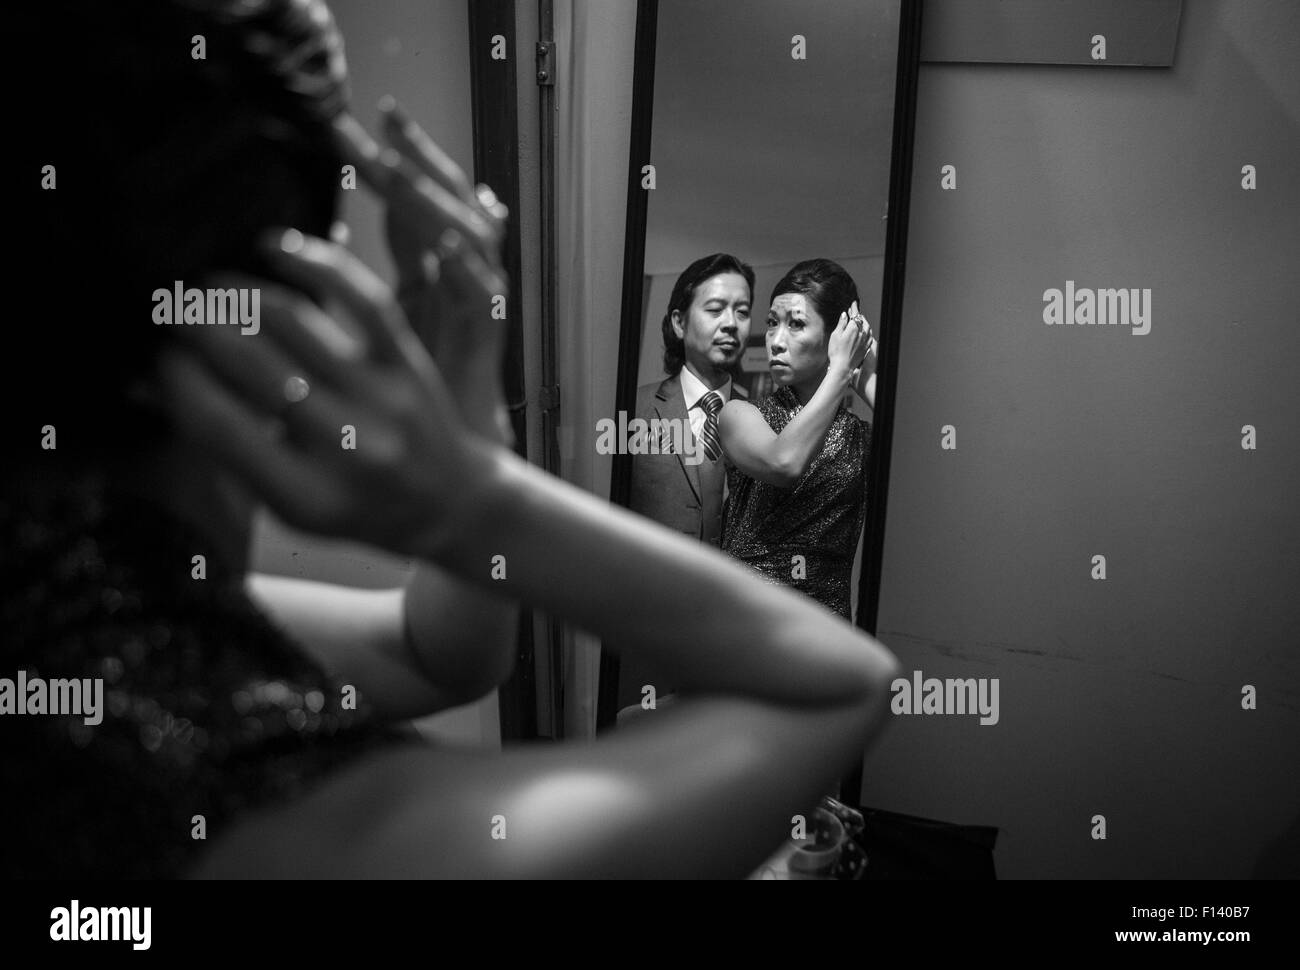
<point>494,106</point>
<point>631,319</point>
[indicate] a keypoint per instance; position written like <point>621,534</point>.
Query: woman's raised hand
<point>357,432</point>
<point>848,342</point>
<point>445,236</point>
<point>855,316</point>
<point>354,435</point>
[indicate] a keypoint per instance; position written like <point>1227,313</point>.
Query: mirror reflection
<point>764,260</point>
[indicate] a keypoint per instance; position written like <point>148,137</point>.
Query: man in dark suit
<point>705,331</point>
<point>680,482</point>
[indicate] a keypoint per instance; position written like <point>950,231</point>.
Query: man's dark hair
<point>698,273</point>
<point>826,285</point>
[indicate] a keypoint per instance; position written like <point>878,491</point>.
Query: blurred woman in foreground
<point>271,707</point>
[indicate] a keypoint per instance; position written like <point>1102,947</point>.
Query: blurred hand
<point>445,237</point>
<point>276,406</point>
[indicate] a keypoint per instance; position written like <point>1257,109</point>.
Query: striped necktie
<point>712,404</point>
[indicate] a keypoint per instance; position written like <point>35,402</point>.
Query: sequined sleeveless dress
<point>207,709</point>
<point>820,518</point>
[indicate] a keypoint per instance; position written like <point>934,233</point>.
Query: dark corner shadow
<point>1280,859</point>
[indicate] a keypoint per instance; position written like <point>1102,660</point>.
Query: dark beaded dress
<point>207,708</point>
<point>820,518</point>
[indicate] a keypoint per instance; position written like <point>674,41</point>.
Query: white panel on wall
<point>1135,34</point>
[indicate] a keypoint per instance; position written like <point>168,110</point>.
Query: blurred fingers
<point>422,201</point>
<point>412,141</point>
<point>207,412</point>
<point>319,266</point>
<point>297,327</point>
<point>430,211</point>
<point>474,283</point>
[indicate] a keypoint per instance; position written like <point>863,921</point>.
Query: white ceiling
<point>761,155</point>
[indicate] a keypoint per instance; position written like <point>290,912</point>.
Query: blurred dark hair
<point>167,167</point>
<point>699,272</point>
<point>825,284</point>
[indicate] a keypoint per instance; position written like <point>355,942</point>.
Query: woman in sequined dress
<point>270,711</point>
<point>797,460</point>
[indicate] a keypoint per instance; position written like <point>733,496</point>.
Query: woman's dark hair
<point>180,132</point>
<point>698,273</point>
<point>825,284</point>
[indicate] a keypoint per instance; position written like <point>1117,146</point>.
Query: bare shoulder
<point>739,412</point>
<point>739,406</point>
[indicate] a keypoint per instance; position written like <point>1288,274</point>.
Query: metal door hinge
<point>546,63</point>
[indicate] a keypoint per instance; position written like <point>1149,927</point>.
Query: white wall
<point>763,154</point>
<point>1121,697</point>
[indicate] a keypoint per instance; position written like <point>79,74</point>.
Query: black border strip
<point>495,108</point>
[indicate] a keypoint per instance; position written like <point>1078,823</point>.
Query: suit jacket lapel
<point>670,404</point>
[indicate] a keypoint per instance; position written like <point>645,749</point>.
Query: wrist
<point>839,374</point>
<point>483,411</point>
<point>471,513</point>
<point>490,420</point>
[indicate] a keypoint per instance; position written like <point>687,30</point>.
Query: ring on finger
<point>451,245</point>
<point>292,391</point>
<point>295,389</point>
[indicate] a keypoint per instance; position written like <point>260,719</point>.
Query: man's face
<point>716,325</point>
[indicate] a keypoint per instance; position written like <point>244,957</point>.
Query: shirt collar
<point>693,389</point>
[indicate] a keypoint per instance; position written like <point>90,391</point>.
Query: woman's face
<point>796,341</point>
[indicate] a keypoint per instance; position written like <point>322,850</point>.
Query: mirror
<point>768,132</point>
